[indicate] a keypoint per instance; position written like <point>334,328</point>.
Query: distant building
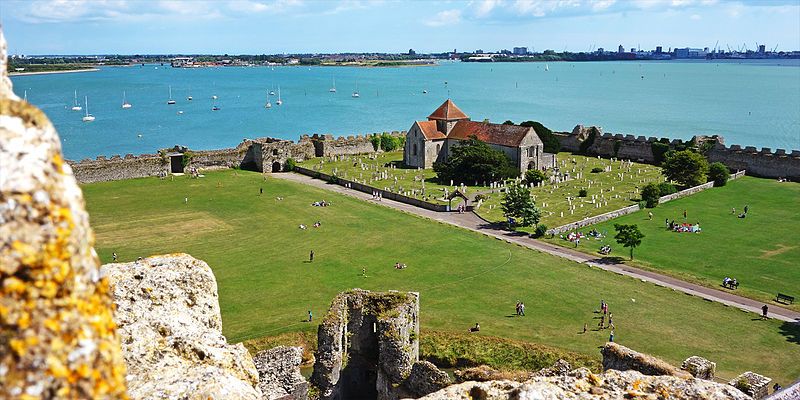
<point>182,62</point>
<point>658,49</point>
<point>601,50</point>
<point>762,48</point>
<point>479,51</point>
<point>432,140</point>
<point>688,52</point>
<point>411,52</point>
<point>620,49</point>
<point>520,51</point>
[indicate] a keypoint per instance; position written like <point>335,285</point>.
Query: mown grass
<point>266,286</point>
<point>761,251</point>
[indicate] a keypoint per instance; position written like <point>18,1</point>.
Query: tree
<point>628,236</point>
<point>535,176</point>
<point>518,204</point>
<point>685,167</point>
<point>551,143</point>
<point>388,142</point>
<point>474,161</point>
<point>650,195</point>
<point>718,173</point>
<point>508,122</point>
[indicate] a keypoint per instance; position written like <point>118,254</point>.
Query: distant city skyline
<point>313,26</point>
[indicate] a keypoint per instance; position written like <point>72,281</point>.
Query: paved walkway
<point>472,222</point>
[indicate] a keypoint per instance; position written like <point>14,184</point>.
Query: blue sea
<point>751,103</point>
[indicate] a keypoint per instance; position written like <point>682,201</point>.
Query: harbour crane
<point>775,48</point>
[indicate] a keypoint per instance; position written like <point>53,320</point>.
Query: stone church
<point>431,140</point>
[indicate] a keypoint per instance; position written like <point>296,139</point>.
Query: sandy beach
<point>68,71</point>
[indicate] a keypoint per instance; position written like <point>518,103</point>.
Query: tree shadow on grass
<point>609,260</point>
<point>792,331</point>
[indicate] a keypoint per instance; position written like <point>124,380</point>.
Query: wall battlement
<point>762,162</point>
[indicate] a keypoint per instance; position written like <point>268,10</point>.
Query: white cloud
<point>447,17</point>
<point>599,5</point>
<point>484,7</point>
<point>695,17</point>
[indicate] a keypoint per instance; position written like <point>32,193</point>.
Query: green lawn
<point>761,251</point>
<point>613,190</point>
<point>259,255</point>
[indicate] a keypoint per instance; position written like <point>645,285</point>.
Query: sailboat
<point>76,107</point>
<point>189,97</point>
<point>333,88</point>
<point>170,101</point>
<point>125,103</point>
<point>272,92</point>
<point>88,117</point>
<point>546,68</point>
<point>214,107</point>
<point>25,96</point>
<point>268,105</point>
<point>279,102</point>
<point>355,93</point>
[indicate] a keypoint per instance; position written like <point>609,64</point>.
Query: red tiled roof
<point>504,135</point>
<point>428,129</point>
<point>448,111</point>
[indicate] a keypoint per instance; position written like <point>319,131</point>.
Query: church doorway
<point>276,167</point>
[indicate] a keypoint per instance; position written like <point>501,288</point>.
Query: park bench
<point>784,298</point>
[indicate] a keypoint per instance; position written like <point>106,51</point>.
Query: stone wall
<point>117,168</point>
<point>327,145</point>
<point>621,358</point>
<point>279,373</point>
<point>763,163</point>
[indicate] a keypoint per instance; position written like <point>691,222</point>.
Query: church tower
<point>446,116</point>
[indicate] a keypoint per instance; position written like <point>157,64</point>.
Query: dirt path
<point>472,222</point>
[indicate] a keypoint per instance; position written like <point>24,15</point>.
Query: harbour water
<point>751,103</point>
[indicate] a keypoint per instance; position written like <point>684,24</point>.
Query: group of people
<point>322,203</point>
<point>520,309</point>
<point>605,250</point>
<point>398,265</point>
<point>316,225</point>
<point>377,195</point>
<point>730,282</point>
<point>461,208</point>
<point>685,227</point>
<point>742,215</point>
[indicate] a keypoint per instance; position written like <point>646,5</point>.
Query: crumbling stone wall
<point>621,358</point>
<point>57,335</point>
<point>367,345</point>
<point>755,385</point>
<point>279,373</point>
<point>104,169</point>
<point>327,145</point>
<point>699,367</point>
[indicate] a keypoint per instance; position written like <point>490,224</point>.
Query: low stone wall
<point>594,220</point>
<point>327,145</point>
<point>369,189</point>
<point>685,192</point>
<point>117,168</point>
<point>621,358</point>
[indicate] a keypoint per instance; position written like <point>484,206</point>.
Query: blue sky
<point>278,26</point>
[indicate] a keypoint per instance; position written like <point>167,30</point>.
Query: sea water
<point>750,103</point>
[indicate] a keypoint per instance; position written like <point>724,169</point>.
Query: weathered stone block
<point>622,358</point>
<point>699,367</point>
<point>279,373</point>
<point>753,384</point>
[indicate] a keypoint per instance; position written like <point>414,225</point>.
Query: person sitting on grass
<point>476,328</point>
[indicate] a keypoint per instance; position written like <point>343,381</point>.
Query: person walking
<point>746,207</point>
<point>114,256</point>
<point>522,309</point>
<point>310,316</point>
<point>611,336</point>
<point>311,256</point>
<point>684,214</point>
<point>764,311</point>
<point>585,325</point>
<point>260,191</point>
<point>650,215</point>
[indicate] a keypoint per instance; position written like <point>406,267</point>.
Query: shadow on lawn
<point>792,331</point>
<point>609,260</point>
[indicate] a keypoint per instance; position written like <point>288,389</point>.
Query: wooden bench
<point>784,298</point>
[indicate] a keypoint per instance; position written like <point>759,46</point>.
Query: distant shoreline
<point>68,71</point>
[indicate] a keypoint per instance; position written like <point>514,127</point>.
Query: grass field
<point>259,256</point>
<point>761,251</point>
<point>613,190</point>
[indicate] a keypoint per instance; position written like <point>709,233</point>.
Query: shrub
<point>376,141</point>
<point>388,142</point>
<point>650,195</point>
<point>480,196</point>
<point>665,188</point>
<point>186,159</point>
<point>541,229</point>
<point>535,176</point>
<point>583,193</point>
<point>596,170</point>
<point>718,173</point>
<point>290,164</point>
<point>551,143</point>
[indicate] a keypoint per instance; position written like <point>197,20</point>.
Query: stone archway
<point>276,166</point>
<point>176,163</point>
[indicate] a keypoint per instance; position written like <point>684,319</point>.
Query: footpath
<point>472,222</point>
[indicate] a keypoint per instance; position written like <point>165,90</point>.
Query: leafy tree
<point>388,142</point>
<point>650,195</point>
<point>535,176</point>
<point>583,193</point>
<point>718,173</point>
<point>551,143</point>
<point>541,229</point>
<point>290,164</point>
<point>518,204</point>
<point>474,161</point>
<point>376,141</point>
<point>508,122</point>
<point>685,167</point>
<point>628,236</point>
